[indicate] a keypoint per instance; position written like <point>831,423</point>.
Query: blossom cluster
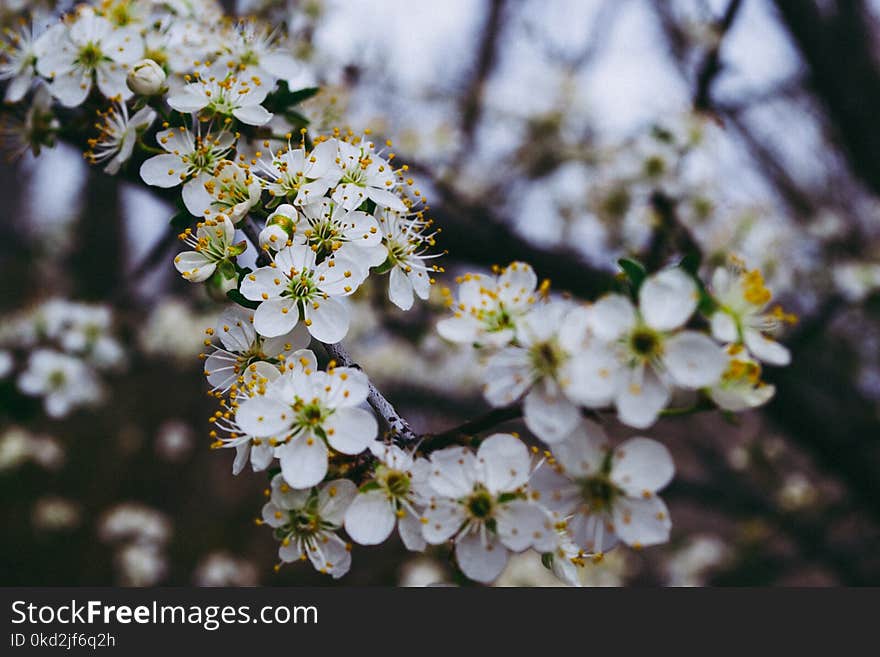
<point>631,352</point>
<point>58,351</point>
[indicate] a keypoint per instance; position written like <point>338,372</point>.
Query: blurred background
<point>566,133</point>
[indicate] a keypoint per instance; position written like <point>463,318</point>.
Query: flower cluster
<point>63,347</point>
<point>633,352</point>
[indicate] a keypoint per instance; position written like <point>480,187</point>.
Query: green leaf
<point>547,560</point>
<point>237,297</point>
<point>301,95</point>
<point>634,270</point>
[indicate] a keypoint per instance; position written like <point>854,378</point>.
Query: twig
<point>401,429</point>
<point>488,421</point>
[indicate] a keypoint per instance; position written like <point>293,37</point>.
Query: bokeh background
<point>535,129</point>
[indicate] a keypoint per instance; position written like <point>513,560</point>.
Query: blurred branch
<point>471,105</point>
<point>483,423</point>
<point>711,65</point>
<point>838,48</point>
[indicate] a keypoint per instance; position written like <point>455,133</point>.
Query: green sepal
<point>635,272</point>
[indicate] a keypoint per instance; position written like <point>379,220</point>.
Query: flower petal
<point>370,518</point>
<point>668,299</point>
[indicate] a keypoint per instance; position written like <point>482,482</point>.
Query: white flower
<point>300,176</point>
<point>329,229</point>
<point>295,287</point>
<point>253,381</point>
<point>641,353</point>
<point>17,58</point>
<point>221,92</point>
<point>605,494</point>
<point>539,366</point>
<point>91,49</point>
<point>212,244</point>
<point>743,317</point>
<point>740,387</point>
<point>255,47</point>
<point>392,497</point>
<point>146,77</point>
<point>306,521</point>
<point>63,381</point>
<point>365,175</point>
<point>479,501</point>
<point>191,159</point>
<point>305,413</point>
<point>118,135</point>
<point>242,347</point>
<point>406,245</point>
<point>231,190</point>
<point>489,308</point>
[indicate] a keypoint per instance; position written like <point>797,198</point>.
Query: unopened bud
<point>146,78</point>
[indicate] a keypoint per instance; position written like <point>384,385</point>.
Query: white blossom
<point>306,412</point>
<point>606,494</point>
<point>641,353</point>
<point>393,497</point>
<point>295,287</point>
<point>89,50</point>
<point>118,135</point>
<point>479,501</point>
<point>306,522</point>
<point>743,316</point>
<point>488,308</point>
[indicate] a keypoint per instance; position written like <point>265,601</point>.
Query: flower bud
<point>274,237</point>
<point>146,78</point>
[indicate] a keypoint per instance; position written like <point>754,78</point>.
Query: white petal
<point>694,360</point>
<point>594,375</point>
<point>442,520</point>
<point>507,376</point>
<point>766,350</point>
<point>548,414</point>
<point>400,289</point>
<point>463,330</point>
<point>275,317</point>
<point>329,322</point>
<point>253,115</point>
<point>641,521</point>
<point>190,99</point>
<point>582,453</point>
<point>351,430</point>
<point>194,266</point>
<point>668,299</point>
<point>410,529</point>
<point>303,461</point>
<point>334,498</point>
<point>263,417</point>
<point>724,327</point>
<point>639,402</point>
<point>641,465</point>
<point>453,472</point>
<point>163,170</point>
<point>370,518</point>
<point>612,316</point>
<point>503,463</point>
<point>522,525</point>
<point>479,562</point>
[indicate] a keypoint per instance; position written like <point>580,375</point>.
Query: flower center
<point>599,493</point>
<point>546,357</point>
<point>90,55</point>
<point>309,415</point>
<point>645,343</point>
<point>397,483</point>
<point>480,505</point>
